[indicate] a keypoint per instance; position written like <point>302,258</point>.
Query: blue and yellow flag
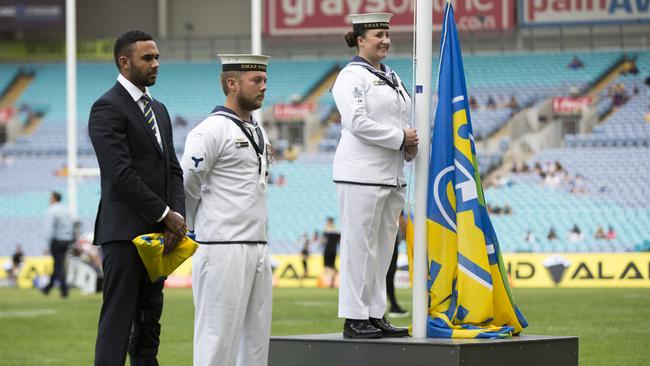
<point>469,294</point>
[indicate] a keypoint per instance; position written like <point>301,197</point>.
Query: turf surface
<point>613,324</point>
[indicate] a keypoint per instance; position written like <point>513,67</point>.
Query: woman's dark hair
<point>351,38</point>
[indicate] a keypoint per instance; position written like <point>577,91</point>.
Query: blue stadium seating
<point>192,89</point>
<point>7,74</point>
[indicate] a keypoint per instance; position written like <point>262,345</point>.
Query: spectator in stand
<point>513,103</point>
<point>611,234</point>
<point>473,103</point>
<point>575,235</point>
<point>576,63</point>
<point>530,237</point>
<point>281,181</point>
<point>551,234</point>
<point>491,103</point>
<point>280,147</point>
<point>291,153</point>
<point>577,185</point>
<point>600,233</point>
<point>507,210</point>
<point>519,167</point>
<point>180,121</point>
<point>632,68</point>
<point>619,95</point>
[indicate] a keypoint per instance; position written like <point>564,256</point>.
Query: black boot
<point>387,329</point>
<point>360,329</point>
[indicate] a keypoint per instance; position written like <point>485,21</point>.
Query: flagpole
<point>256,39</point>
<point>71,102</point>
<point>423,60</point>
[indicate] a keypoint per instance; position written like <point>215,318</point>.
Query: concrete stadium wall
<point>209,18</point>
<point>105,19</point>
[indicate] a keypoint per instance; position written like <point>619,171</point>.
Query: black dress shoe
<point>360,329</point>
<point>387,329</point>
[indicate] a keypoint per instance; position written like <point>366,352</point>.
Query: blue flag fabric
<point>469,293</point>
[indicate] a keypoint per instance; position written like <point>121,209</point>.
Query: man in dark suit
<point>142,192</point>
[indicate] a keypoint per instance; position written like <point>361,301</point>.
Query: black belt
<point>231,242</point>
<point>369,184</point>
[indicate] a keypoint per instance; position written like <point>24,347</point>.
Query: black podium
<point>334,350</point>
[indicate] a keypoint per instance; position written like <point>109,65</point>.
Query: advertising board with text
<point>576,12</point>
<point>316,17</point>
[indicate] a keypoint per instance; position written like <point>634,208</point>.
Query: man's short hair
<point>125,41</point>
<point>57,196</point>
<point>225,75</point>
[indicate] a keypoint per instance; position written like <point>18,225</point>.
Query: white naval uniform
<point>369,177</point>
<point>231,270</point>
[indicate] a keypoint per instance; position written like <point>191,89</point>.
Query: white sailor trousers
<point>369,221</point>
<point>232,289</point>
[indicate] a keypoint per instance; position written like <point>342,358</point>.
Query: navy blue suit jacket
<point>138,178</point>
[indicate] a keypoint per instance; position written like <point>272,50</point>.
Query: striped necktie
<point>149,116</point>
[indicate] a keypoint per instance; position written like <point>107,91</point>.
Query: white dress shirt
<point>137,94</point>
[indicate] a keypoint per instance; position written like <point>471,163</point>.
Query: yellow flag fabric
<point>159,265</point>
<point>469,293</point>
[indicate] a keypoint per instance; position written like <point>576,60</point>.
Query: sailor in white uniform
<point>224,170</point>
<point>375,141</point>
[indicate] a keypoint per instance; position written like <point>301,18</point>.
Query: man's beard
<point>249,104</point>
<point>142,79</point>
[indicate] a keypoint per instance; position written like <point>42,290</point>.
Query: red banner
<point>6,113</point>
<point>293,112</point>
<point>570,105</point>
<point>313,17</point>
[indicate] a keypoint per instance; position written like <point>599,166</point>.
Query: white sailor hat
<point>234,62</point>
<point>361,22</point>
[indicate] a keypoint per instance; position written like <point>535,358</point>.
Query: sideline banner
<point>579,269</point>
<point>582,12</point>
<point>529,270</point>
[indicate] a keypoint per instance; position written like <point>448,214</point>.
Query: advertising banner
<point>6,114</point>
<point>28,14</point>
<point>571,105</point>
<point>293,112</point>
<point>315,17</point>
<point>578,269</point>
<point>575,12</point>
<point>529,270</point>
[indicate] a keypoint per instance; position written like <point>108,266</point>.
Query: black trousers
<point>390,278</point>
<point>58,248</point>
<point>130,315</point>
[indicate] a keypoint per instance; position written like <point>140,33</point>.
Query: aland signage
<point>578,269</point>
<point>535,270</point>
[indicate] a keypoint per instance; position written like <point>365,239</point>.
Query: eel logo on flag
<point>445,200</point>
<point>469,293</point>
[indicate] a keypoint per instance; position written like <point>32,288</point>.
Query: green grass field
<point>613,324</point>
